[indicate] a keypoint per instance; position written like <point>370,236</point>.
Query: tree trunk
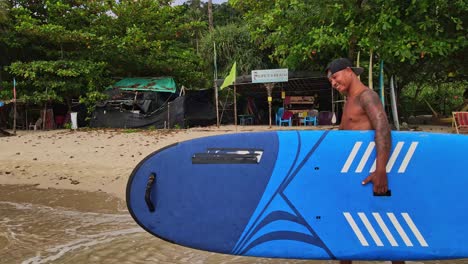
<point>69,104</point>
<point>352,48</point>
<point>415,99</point>
<point>210,15</point>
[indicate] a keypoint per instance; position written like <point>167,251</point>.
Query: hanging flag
<point>14,88</point>
<point>231,78</point>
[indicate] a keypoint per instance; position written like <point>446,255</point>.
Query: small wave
<point>90,241</point>
<point>19,206</point>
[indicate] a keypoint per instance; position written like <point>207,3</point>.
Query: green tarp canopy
<point>147,84</point>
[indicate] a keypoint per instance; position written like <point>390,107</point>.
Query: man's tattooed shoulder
<point>368,98</point>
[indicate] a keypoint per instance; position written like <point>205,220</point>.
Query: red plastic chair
<point>460,121</point>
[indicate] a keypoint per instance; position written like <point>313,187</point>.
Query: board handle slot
<point>149,186</point>
<point>388,193</point>
<point>208,158</point>
<point>228,156</point>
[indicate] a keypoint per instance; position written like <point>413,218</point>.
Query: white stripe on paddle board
<point>392,159</point>
<point>400,230</point>
<point>384,228</point>
<point>415,230</point>
<point>364,159</point>
<point>356,229</point>
<point>394,156</point>
<point>408,157</point>
<point>373,166</point>
<point>351,157</point>
<point>370,229</point>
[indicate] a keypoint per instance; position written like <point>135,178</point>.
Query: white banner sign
<point>270,76</point>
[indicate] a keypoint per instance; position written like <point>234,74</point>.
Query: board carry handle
<point>149,185</point>
<point>388,193</point>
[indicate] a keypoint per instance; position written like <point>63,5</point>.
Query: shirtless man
<point>363,111</point>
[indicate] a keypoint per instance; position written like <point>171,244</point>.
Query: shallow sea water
<point>64,226</point>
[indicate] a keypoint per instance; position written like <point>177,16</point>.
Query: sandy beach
<point>89,160</point>
<point>98,160</point>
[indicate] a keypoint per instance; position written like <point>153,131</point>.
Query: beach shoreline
<point>100,160</point>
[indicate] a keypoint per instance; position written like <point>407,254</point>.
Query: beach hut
<point>152,102</point>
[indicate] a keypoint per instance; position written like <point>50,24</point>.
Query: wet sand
<point>63,198</point>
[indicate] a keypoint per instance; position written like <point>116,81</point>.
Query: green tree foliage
<point>5,24</point>
<point>443,98</point>
<point>60,80</point>
<point>409,35</point>
<point>224,14</point>
<point>233,44</point>
<point>49,53</point>
<point>280,26</point>
<point>4,7</point>
<point>73,48</point>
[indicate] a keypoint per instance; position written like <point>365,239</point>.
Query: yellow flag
<point>231,78</point>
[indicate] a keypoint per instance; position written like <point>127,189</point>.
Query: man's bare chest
<point>352,108</point>
<point>354,115</point>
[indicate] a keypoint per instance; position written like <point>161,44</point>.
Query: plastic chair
<point>36,125</point>
<point>279,118</point>
<point>311,118</point>
<point>460,121</point>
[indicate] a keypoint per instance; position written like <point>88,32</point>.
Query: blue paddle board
<point>298,194</point>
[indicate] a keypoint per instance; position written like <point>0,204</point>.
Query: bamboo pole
<point>235,106</point>
<point>269,87</point>
<point>14,106</point>
<point>14,117</point>
<point>394,103</point>
<point>371,86</point>
<point>358,61</point>
<point>215,86</point>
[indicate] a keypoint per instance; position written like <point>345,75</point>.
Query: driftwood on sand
<point>4,133</point>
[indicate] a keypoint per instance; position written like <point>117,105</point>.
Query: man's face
<point>340,80</point>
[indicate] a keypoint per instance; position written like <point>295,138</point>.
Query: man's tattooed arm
<point>371,104</point>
